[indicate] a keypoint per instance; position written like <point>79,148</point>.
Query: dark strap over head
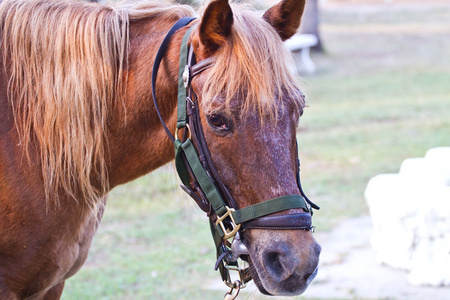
<point>159,56</point>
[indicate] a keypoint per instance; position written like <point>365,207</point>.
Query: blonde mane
<point>65,64</point>
<point>250,73</point>
<point>65,60</point>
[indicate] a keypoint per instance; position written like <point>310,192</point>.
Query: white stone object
<point>411,217</point>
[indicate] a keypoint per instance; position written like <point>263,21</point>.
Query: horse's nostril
<point>273,264</point>
<point>278,265</point>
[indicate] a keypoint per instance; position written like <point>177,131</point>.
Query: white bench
<point>300,44</point>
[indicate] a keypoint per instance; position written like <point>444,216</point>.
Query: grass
<point>344,141</point>
<point>381,95</point>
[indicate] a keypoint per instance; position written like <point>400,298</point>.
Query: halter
<point>202,182</point>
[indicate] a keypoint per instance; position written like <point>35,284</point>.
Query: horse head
<point>250,109</point>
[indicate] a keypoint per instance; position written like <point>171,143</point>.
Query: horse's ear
<point>285,17</point>
<point>215,25</point>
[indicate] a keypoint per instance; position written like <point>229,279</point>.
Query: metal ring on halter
<point>243,273</point>
<point>186,128</point>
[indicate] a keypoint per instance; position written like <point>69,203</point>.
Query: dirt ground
<point>349,269</point>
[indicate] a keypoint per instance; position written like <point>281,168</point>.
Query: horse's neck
<point>138,144</point>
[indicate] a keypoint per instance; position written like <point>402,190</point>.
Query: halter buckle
<point>228,233</point>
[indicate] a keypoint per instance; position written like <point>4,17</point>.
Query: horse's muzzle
<point>285,270</point>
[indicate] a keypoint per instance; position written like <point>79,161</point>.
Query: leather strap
<point>159,56</point>
<point>202,65</point>
<point>182,92</point>
<point>269,207</point>
<point>281,222</point>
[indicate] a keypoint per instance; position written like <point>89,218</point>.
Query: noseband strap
<point>281,222</point>
<point>199,176</point>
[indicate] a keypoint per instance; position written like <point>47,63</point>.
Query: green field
<point>381,94</point>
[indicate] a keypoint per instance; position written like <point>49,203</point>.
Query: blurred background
<point>380,93</point>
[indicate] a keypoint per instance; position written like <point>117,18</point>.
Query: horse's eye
<point>219,122</point>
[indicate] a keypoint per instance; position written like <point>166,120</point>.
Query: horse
<point>77,119</point>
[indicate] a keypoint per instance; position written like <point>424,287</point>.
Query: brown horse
<point>77,119</point>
